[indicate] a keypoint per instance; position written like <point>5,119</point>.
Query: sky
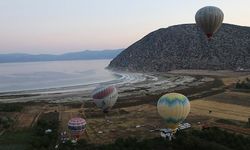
<point>59,26</point>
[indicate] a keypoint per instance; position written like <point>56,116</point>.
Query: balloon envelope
<point>209,19</point>
<point>105,97</point>
<point>76,126</point>
<point>173,108</point>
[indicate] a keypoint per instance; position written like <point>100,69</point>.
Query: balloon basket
<point>74,141</point>
<point>168,133</point>
<point>107,119</point>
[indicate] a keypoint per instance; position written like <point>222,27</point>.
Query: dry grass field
<point>122,123</point>
<point>220,110</point>
<point>136,118</point>
<point>228,105</point>
<point>29,116</point>
<point>123,120</point>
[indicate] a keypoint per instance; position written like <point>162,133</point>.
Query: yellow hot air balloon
<point>173,108</point>
<point>209,19</point>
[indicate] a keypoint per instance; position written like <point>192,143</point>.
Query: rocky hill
<point>186,47</point>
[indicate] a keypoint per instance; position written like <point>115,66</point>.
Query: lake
<point>54,74</point>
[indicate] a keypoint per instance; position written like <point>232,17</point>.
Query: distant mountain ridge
<point>186,47</point>
<point>83,55</point>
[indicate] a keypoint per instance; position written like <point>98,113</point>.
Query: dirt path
<point>29,116</point>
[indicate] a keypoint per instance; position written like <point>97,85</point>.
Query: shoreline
<point>192,83</point>
<point>122,78</point>
<point>147,85</point>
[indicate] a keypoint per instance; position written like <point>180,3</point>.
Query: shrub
<point>13,107</point>
<point>6,122</point>
<point>245,84</point>
<point>42,140</point>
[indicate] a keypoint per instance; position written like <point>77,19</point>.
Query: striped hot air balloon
<point>173,108</point>
<point>105,97</point>
<point>76,126</point>
<point>209,19</point>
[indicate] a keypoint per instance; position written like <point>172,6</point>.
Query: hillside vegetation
<point>186,47</point>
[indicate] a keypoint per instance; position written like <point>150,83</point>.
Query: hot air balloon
<point>173,108</point>
<point>209,19</point>
<point>105,97</point>
<point>76,127</point>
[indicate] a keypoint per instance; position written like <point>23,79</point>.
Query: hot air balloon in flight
<point>209,19</point>
<point>105,97</point>
<point>173,108</point>
<point>76,127</point>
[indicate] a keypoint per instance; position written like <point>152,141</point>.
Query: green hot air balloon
<point>209,19</point>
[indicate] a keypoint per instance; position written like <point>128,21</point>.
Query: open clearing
<point>123,124</point>
<point>29,116</point>
<point>137,121</point>
<point>136,116</point>
<point>227,105</point>
<point>220,110</point>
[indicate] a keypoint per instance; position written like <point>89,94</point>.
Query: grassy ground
<point>220,110</point>
<point>17,140</point>
<point>231,97</point>
<point>212,138</point>
<point>230,110</point>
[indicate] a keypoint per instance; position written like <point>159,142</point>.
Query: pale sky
<point>59,26</point>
